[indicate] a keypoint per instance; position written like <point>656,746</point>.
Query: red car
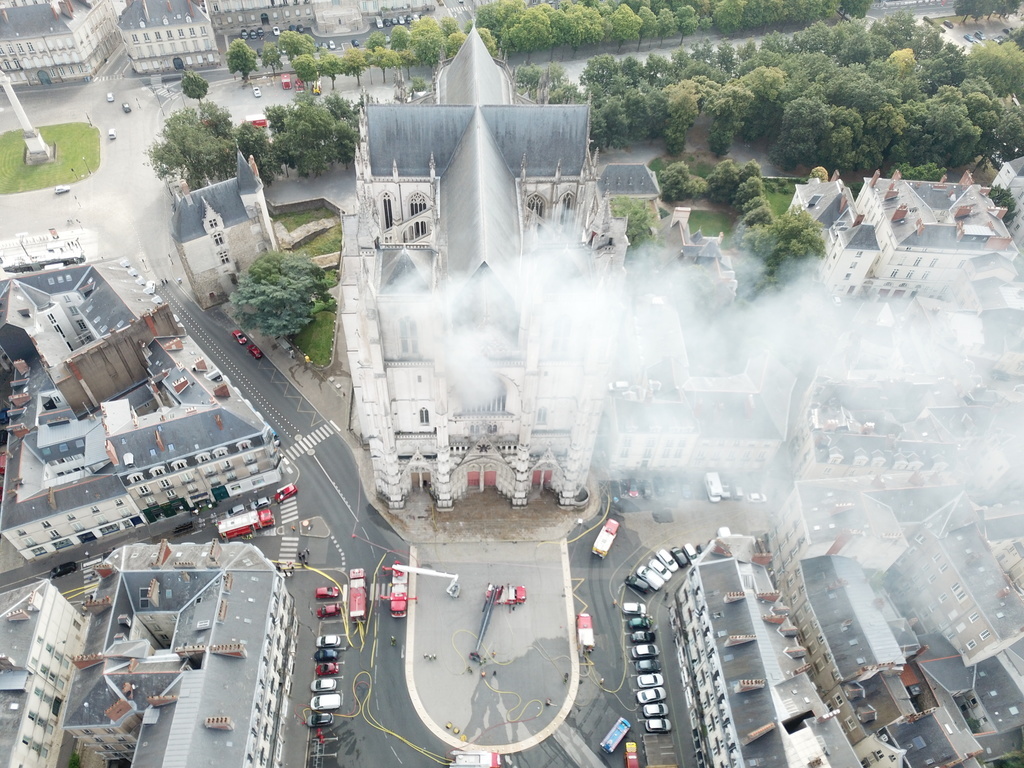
<point>326,611</point>
<point>255,351</point>
<point>330,668</point>
<point>285,493</point>
<point>240,337</point>
<point>327,593</point>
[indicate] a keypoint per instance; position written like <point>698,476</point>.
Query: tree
<point>926,172</point>
<point>667,24</point>
<point>1002,65</point>
<point>271,57</point>
<point>194,85</point>
<point>385,59</point>
<point>686,18</point>
<point>723,181</point>
<point>625,25</point>
<point>531,32</point>
<point>497,17</point>
<point>453,43</point>
<point>296,43</point>
<point>194,146</point>
<point>640,219</point>
<point>728,15</point>
<point>306,68</point>
<point>331,65</point>
<point>683,111</point>
<point>648,25</point>
<point>784,244</point>
<point>309,138</point>
<point>584,25</point>
<point>677,183</point>
<point>819,173</point>
<point>426,41</point>
<point>1004,198</point>
<point>728,107</point>
<point>400,39</point>
<point>354,63</point>
<point>253,140</point>
<point>748,191</point>
<point>856,9</point>
<point>528,78</point>
<point>804,130</point>
<point>488,40</point>
<point>276,296</point>
<point>241,59</point>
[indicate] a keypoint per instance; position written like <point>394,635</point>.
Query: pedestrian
<point>547,702</point>
<point>393,641</point>
<point>179,281</point>
<point>494,673</point>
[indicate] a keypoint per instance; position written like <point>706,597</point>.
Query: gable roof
<point>223,198</point>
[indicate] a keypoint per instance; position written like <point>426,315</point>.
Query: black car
<point>642,636</point>
<point>680,557</point>
<point>259,33</point>
<point>63,569</point>
<point>639,585</point>
<point>320,719</point>
<point>299,28</point>
<point>325,654</point>
<point>126,107</point>
<point>244,34</point>
<point>645,666</point>
<point>947,24</point>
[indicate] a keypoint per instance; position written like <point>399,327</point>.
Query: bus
<point>615,735</point>
<point>714,486</point>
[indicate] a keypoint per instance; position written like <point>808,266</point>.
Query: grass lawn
<point>292,221</point>
<point>710,223</point>
<point>317,339</point>
<point>698,166</point>
<point>77,152</point>
<point>328,242</point>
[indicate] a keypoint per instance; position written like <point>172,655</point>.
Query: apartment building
<point>167,35</point>
<point>1011,177</point>
<point>331,17</point>
<point>56,41</point>
<point>950,582</point>
<point>42,632</point>
<point>908,238</point>
<point>170,625</point>
<point>747,669</point>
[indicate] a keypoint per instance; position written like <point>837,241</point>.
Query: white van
<point>379,22</point>
<point>112,134</point>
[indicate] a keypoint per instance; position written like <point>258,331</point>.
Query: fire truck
<point>357,594</point>
<point>399,593</point>
<point>245,524</point>
<point>585,632</point>
<point>606,538</point>
<point>632,760</point>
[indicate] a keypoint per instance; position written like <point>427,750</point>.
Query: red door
<point>490,479</point>
<point>538,476</point>
<point>473,478</point>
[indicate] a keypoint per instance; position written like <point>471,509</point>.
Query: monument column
<point>38,150</point>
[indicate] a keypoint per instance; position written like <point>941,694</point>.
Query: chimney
<point>159,440</point>
<point>858,220</point>
<point>920,226</point>
<point>117,710</point>
<point>962,211</point>
<point>91,660</point>
<point>183,185</point>
<point>896,175</point>
<point>219,421</point>
<point>842,203</point>
<point>874,179</point>
<point>220,723</point>
<point>900,213</point>
<point>835,175</point>
<point>966,179</point>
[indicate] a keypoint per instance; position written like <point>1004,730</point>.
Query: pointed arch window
<point>408,339</point>
<point>424,417</point>
<point>388,209</point>
<point>535,204</point>
<point>566,206</point>
<point>418,204</point>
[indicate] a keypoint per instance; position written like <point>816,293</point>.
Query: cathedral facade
<point>481,291</point>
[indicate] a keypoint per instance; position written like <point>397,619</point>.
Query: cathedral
<point>482,280</point>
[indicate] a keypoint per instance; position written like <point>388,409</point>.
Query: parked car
<point>639,622</point>
<point>326,701</point>
<point>968,38</point>
<point>261,503</point>
<point>650,577</point>
<point>286,492</point>
<point>328,641</point>
<point>259,33</point>
<point>112,134</point>
<point>647,488</point>
<point>680,557</point>
<point>947,24</point>
<point>646,666</point>
<point>646,651</point>
<point>655,710</point>
<point>256,91</point>
<point>240,337</point>
<point>667,560</point>
<point>255,352</point>
<point>236,510</point>
<point>327,669</point>
<point>323,685</point>
<point>299,28</point>
<point>276,31</point>
<point>325,654</point>
<point>126,107</point>
<point>650,681</point>
<point>979,35</point>
<point>658,725</point>
<point>244,34</point>
<point>634,609</point>
<point>329,610</point>
<point>355,43</point>
<point>63,569</point>
<point>634,489</point>
<point>650,695</point>
<point>639,585</point>
<point>61,189</point>
<point>331,45</point>
<point>320,720</point>
<point>327,593</point>
<point>641,636</point>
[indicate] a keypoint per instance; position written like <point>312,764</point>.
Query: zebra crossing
<point>307,442</point>
<point>289,549</point>
<point>289,511</point>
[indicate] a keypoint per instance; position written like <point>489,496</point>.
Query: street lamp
<point>87,166</point>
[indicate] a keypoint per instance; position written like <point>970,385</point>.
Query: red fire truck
<point>245,523</point>
<point>357,594</point>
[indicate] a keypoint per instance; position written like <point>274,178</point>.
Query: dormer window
<point>136,478</point>
<point>245,445</point>
<point>179,464</point>
<point>157,471</point>
<point>219,452</point>
<point>202,458</point>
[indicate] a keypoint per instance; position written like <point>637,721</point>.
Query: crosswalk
<point>289,549</point>
<point>289,511</point>
<point>306,442</point>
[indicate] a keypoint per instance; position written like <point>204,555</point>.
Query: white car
<point>276,31</point>
<point>256,91</point>
<point>61,189</point>
<point>649,695</point>
<point>110,97</point>
<point>660,568</point>
<point>634,609</point>
<point>328,641</point>
<point>667,560</point>
<point>756,498</point>
<point>112,134</point>
<point>325,702</point>
<point>331,46</point>
<point>325,684</point>
<point>653,579</point>
<point>655,710</point>
<point>650,681</point>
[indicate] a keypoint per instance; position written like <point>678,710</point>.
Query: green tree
<point>926,172</point>
<point>723,182</point>
<point>686,18</point>
<point>677,183</point>
<point>1004,198</point>
<point>271,57</point>
<point>306,68</point>
<point>530,32</point>
<point>453,43</point>
<point>584,24</point>
<point>276,296</point>
<point>640,219</point>
<point>748,191</point>
<point>648,25</point>
<point>683,111</point>
<point>819,173</point>
<point>856,9</point>
<point>1001,65</point>
<point>354,63</point>
<point>449,26</point>
<point>241,59</point>
<point>385,59</point>
<point>309,138</point>
<point>758,215</point>
<point>400,39</point>
<point>803,133</point>
<point>295,44</point>
<point>667,24</point>
<point>254,141</point>
<point>528,78</point>
<point>497,17</point>
<point>728,15</point>
<point>784,244</point>
<point>728,108</point>
<point>489,42</point>
<point>426,41</point>
<point>377,40</point>
<point>195,145</point>
<point>331,65</point>
<point>625,25</point>
<point>194,85</point>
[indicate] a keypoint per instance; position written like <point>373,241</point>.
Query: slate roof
<point>26,22</point>
<point>630,179</point>
<point>152,13</point>
<point>472,77</point>
<point>933,739</point>
<point>407,137</point>
<point>224,198</point>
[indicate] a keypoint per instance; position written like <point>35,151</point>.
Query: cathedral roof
<point>472,78</point>
<point>404,271</point>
